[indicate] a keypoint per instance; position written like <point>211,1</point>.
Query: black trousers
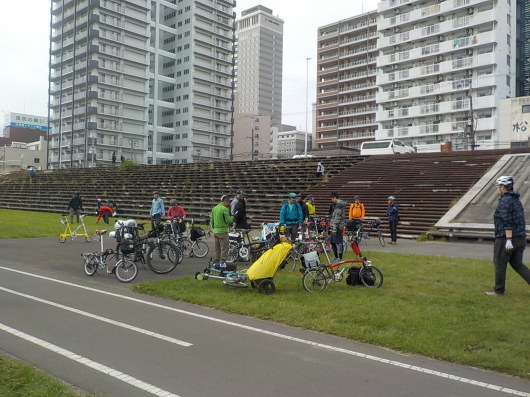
<point>393,230</point>
<point>501,258</point>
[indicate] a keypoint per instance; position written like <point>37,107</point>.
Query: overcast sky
<point>24,43</point>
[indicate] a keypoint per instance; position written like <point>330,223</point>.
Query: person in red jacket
<point>175,210</point>
<point>105,211</point>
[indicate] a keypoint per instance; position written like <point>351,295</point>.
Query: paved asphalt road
<point>94,333</point>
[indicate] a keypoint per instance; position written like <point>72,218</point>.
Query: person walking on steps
<point>75,206</point>
<point>291,216</point>
<point>337,223</point>
<point>392,214</point>
<point>220,219</point>
<point>510,235</point>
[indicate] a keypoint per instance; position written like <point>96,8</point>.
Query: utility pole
<point>470,128</point>
<point>306,105</point>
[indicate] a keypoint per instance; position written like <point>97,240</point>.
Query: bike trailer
<point>268,263</point>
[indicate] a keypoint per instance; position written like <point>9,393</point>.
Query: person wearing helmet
<point>239,211</point>
<point>510,235</point>
<point>75,206</point>
<point>291,216</point>
<point>392,214</point>
<point>220,219</point>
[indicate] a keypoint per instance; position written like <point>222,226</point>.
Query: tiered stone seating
<point>425,185</point>
<point>197,186</point>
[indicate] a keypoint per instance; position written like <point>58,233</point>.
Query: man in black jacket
<point>240,212</point>
<point>75,206</point>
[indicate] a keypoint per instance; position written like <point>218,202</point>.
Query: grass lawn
<point>428,305</point>
<point>18,379</point>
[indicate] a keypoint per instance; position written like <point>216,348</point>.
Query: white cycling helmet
<point>391,198</point>
<point>504,180</point>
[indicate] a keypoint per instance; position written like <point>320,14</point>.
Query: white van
<point>387,146</point>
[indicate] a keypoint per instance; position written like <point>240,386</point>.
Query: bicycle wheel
<point>380,237</point>
<point>200,249</point>
<point>186,246</point>
<point>91,264</point>
<point>314,280</point>
<point>125,270</point>
<point>371,277</point>
<point>233,253</point>
<point>162,257</point>
<point>296,253</point>
<point>178,252</point>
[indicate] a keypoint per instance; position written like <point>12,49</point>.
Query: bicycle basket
<point>196,233</point>
<point>127,246</point>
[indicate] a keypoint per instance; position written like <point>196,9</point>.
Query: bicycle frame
<point>68,232</point>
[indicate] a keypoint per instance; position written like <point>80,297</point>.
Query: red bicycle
<point>318,275</point>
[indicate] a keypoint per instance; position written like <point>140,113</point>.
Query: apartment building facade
<point>443,67</point>
<point>151,80</point>
<point>346,82</point>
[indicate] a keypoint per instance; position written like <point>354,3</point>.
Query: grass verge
<point>428,305</point>
<point>18,379</point>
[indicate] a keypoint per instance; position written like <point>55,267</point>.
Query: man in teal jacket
<point>291,216</point>
<point>220,220</point>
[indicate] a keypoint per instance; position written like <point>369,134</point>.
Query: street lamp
<point>306,103</point>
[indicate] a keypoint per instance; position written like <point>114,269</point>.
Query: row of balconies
<point>439,49</point>
<point>436,110</point>
<point>438,30</point>
<point>440,68</point>
<point>437,88</point>
<point>418,14</point>
<point>447,128</point>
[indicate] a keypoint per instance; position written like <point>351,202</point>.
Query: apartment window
<point>509,39</point>
<point>509,19</point>
<point>508,60</point>
<point>526,109</point>
<point>508,80</point>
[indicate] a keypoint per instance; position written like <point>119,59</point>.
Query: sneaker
<point>215,265</point>
<point>493,293</point>
<point>222,265</point>
<point>336,259</point>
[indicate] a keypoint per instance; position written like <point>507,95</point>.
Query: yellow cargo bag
<point>268,263</point>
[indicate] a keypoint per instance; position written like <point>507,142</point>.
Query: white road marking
<point>104,319</point>
<point>89,363</point>
<point>287,337</point>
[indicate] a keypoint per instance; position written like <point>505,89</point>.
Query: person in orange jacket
<point>356,209</point>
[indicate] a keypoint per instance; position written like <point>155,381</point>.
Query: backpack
<point>353,278</point>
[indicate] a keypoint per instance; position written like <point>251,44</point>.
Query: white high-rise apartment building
<point>151,80</point>
<point>443,67</point>
<point>259,62</point>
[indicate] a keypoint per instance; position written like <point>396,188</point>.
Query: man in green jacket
<point>220,220</point>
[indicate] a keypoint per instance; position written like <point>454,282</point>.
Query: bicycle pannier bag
<point>353,276</point>
<point>310,260</point>
<point>196,233</point>
<point>126,246</point>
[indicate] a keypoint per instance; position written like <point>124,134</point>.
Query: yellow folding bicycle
<point>79,231</point>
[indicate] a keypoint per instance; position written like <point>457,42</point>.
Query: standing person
<point>114,158</point>
<point>220,218</point>
<point>337,223</point>
<point>75,206</point>
<point>157,209</point>
<point>392,214</point>
<point>240,212</point>
<point>305,213</point>
<point>320,170</point>
<point>175,210</point>
<point>236,200</point>
<point>291,217</point>
<point>356,209</point>
<point>31,173</point>
<point>510,235</point>
<point>122,158</point>
<point>311,205</point>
